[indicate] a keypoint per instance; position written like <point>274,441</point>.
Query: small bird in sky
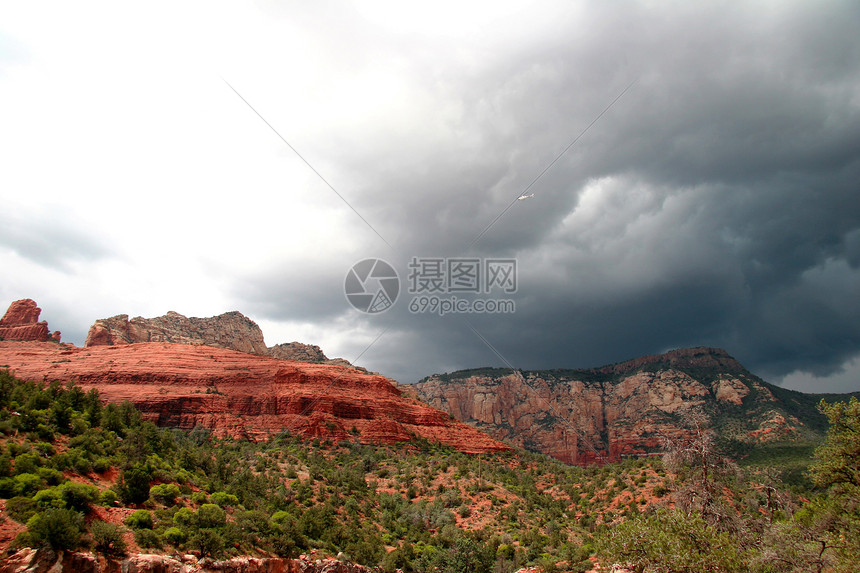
<point>524,197</point>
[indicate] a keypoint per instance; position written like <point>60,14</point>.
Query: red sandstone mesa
<point>242,395</point>
<point>21,322</point>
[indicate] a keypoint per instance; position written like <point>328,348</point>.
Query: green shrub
<point>134,484</point>
<point>79,496</point>
<point>8,487</point>
<point>51,476</point>
<point>82,465</point>
<point>199,497</point>
<point>208,542</point>
<point>224,499</point>
<point>57,528</point>
<point>101,465</point>
<point>184,517</point>
<point>147,539</point>
<point>48,498</point>
<point>27,463</point>
<point>108,498</point>
<point>5,464</point>
<point>108,538</point>
<point>21,508</point>
<point>140,519</point>
<point>174,535</point>
<point>165,493</point>
<point>281,516</point>
<point>211,515</point>
<point>27,484</point>
<point>45,449</point>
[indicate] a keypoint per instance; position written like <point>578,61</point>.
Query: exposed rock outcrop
<point>306,353</point>
<point>231,330</point>
<point>47,561</point>
<point>242,395</point>
<point>21,322</point>
<point>629,408</point>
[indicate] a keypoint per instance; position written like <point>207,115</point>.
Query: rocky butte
<point>624,409</point>
<point>21,322</point>
<point>232,330</point>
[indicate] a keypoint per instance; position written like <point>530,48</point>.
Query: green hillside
<point>77,474</point>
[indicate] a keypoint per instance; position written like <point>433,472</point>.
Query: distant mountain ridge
<point>628,408</point>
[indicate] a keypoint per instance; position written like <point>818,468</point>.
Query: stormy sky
<point>695,171</point>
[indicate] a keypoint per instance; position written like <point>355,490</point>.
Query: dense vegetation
<point>77,474</point>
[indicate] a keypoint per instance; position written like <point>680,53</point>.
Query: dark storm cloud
<point>717,203</point>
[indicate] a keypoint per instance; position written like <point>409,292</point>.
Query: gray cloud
<point>50,242</point>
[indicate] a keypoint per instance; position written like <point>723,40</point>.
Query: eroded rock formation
<point>231,330</point>
<point>630,408</point>
<point>306,353</point>
<point>21,322</point>
<point>243,395</point>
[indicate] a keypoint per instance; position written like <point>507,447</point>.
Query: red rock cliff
<point>607,413</point>
<point>21,322</point>
<point>242,395</point>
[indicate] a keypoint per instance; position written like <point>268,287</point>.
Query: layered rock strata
<point>237,394</point>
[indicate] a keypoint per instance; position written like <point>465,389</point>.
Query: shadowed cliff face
<point>242,395</point>
<point>631,408</point>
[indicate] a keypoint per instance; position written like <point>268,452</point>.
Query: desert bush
<point>148,539</point>
<point>174,535</point>
<point>140,519</point>
<point>210,516</point>
<point>184,517</point>
<point>208,542</point>
<point>78,496</point>
<point>224,499</point>
<point>165,493</point>
<point>56,528</point>
<point>108,538</point>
